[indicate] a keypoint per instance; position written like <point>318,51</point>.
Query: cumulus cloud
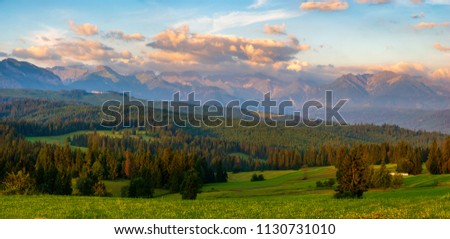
<point>125,37</point>
<point>441,74</point>
<point>374,1</point>
<point>425,25</point>
<point>173,57</point>
<point>183,47</point>
<point>410,68</point>
<point>275,29</point>
<point>291,65</point>
<point>86,50</point>
<point>440,47</point>
<point>73,51</point>
<point>331,5</point>
<point>402,67</point>
<point>86,29</point>
<point>36,52</point>
<point>258,4</point>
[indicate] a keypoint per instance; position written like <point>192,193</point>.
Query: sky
<point>326,37</point>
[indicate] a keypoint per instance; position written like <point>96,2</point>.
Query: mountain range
<point>405,97</point>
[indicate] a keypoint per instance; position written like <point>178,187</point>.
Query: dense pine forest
<point>168,157</point>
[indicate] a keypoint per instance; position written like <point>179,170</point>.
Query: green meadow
<point>283,194</point>
<point>61,139</point>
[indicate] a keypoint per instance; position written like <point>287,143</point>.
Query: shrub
<point>382,178</point>
<point>140,188</point>
<point>256,177</point>
<point>236,169</point>
<point>85,186</point>
<point>100,190</point>
<point>397,181</point>
<point>326,183</point>
<point>319,184</point>
<point>19,183</point>
<point>349,194</point>
<point>124,191</point>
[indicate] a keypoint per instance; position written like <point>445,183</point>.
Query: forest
<point>173,157</point>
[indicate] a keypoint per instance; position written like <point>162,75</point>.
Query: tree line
<point>164,160</point>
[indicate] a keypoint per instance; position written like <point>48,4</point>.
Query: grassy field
<point>284,194</point>
<point>61,139</point>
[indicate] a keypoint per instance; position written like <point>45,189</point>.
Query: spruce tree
<point>221,175</point>
<point>433,159</point>
<point>191,185</point>
<point>352,175</point>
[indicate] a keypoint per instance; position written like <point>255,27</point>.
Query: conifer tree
<point>433,159</point>
<point>352,175</point>
<point>191,185</point>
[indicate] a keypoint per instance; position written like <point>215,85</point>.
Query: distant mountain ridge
<point>384,97</point>
<point>383,89</point>
<point>387,89</point>
<point>20,74</point>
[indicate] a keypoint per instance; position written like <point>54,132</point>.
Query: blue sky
<point>359,36</point>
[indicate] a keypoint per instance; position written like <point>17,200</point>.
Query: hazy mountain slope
<point>21,74</point>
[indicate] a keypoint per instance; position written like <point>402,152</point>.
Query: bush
<point>261,177</point>
<point>85,186</point>
<point>326,183</point>
<point>236,169</point>
<point>100,190</point>
<point>331,182</point>
<point>124,191</point>
<point>256,178</point>
<point>140,188</point>
<point>18,184</point>
<point>349,194</point>
<point>382,178</point>
<point>319,184</point>
<point>397,181</point>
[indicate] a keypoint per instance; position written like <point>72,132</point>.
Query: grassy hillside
<point>61,139</point>
<point>284,194</point>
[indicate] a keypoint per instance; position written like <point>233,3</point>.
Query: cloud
<point>420,15</point>
<point>122,36</point>
<point>173,57</point>
<point>295,65</point>
<point>258,4</point>
<point>86,50</point>
<point>375,1</point>
<point>183,47</point>
<point>331,5</point>
<point>73,51</point>
<point>410,68</point>
<point>36,52</point>
<point>275,29</point>
<point>441,74</point>
<point>403,68</point>
<point>440,47</point>
<point>235,19</point>
<point>416,1</point>
<point>427,25</point>
<point>86,29</point>
<point>2,54</point>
